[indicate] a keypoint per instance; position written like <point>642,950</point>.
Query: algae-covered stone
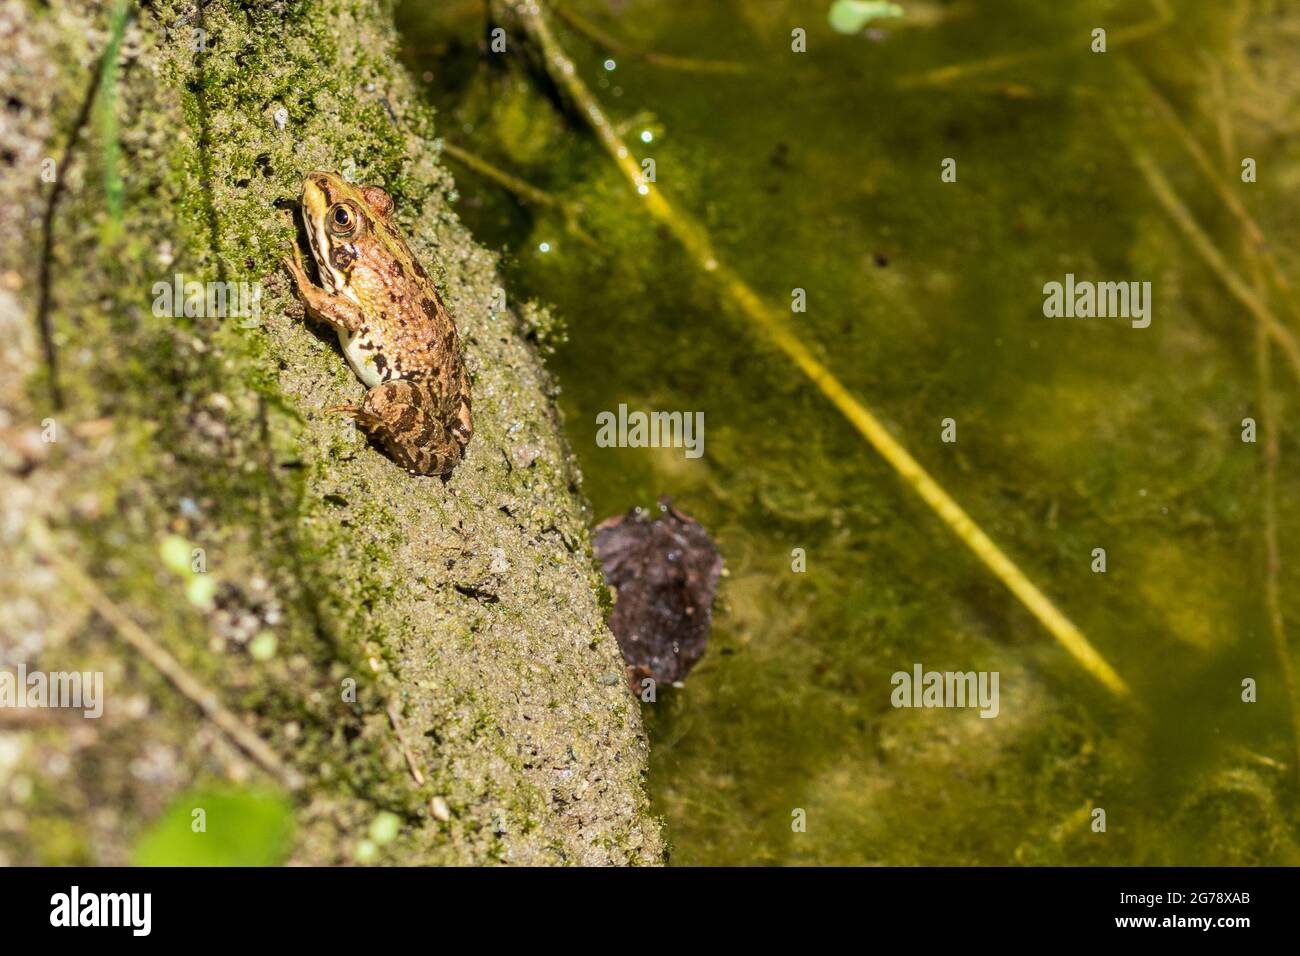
<point>426,650</point>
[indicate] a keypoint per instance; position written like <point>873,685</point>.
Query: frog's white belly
<point>360,359</point>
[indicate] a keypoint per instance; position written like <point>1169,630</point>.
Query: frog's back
<point>408,328</point>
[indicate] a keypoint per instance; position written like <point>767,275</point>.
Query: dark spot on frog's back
<point>407,420</point>
<point>399,270</point>
<point>432,311</point>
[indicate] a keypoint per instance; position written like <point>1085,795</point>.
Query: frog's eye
<point>342,219</point>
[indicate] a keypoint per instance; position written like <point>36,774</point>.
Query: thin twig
<point>1230,199</point>
<point>1273,558</point>
<point>524,191</point>
<point>696,242</point>
<point>102,73</point>
<point>1206,248</point>
<point>44,281</point>
<point>395,719</point>
<point>1270,425</point>
<point>686,64</point>
<point>186,683</point>
<point>1256,252</point>
<point>947,75</point>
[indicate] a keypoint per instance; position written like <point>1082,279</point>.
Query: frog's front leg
<point>337,311</point>
<point>406,418</point>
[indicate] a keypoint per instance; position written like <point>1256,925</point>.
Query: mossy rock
<point>453,628</point>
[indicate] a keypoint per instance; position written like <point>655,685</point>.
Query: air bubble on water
<point>647,136</point>
<point>611,65</point>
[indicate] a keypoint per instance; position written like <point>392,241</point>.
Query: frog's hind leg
<point>404,417</point>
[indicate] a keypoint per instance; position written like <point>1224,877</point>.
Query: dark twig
<point>47,237</point>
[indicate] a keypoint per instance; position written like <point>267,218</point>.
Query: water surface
<point>821,171</point>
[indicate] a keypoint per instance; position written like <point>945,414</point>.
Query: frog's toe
<point>361,416</point>
<point>366,420</point>
<point>295,268</point>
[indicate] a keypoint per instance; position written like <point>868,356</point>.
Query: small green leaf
<point>851,16</point>
<point>219,827</point>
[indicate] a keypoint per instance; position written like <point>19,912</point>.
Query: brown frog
<point>394,329</point>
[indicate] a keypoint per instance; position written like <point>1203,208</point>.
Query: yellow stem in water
<point>696,242</point>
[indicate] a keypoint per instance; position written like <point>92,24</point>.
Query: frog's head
<point>345,223</point>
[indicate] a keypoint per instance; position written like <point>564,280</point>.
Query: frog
<point>395,331</point>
